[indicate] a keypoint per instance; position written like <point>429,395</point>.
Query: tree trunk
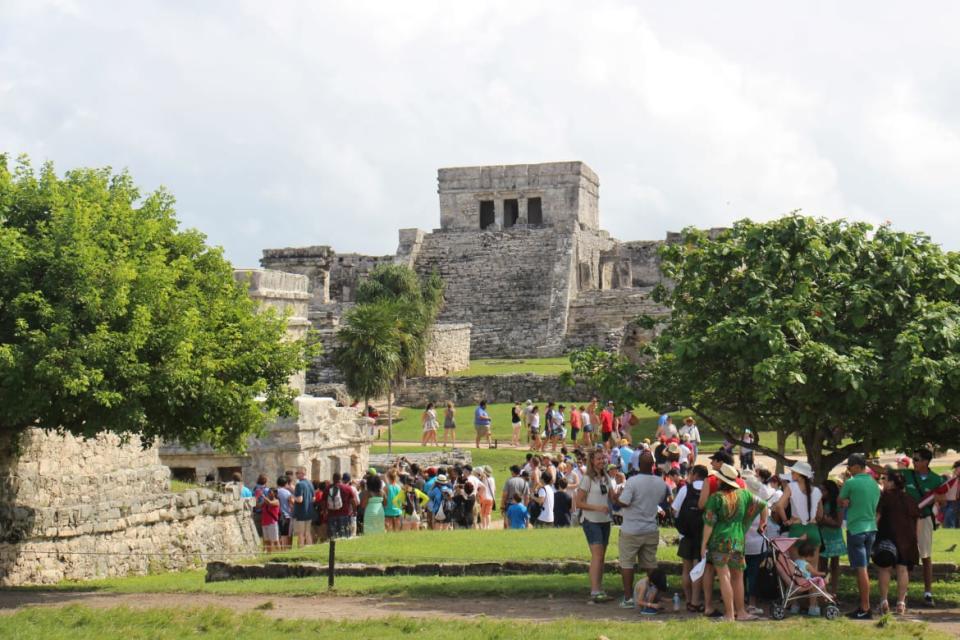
<point>813,446</point>
<point>781,447</point>
<point>390,421</point>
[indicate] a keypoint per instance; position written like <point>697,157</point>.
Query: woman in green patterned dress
<point>726,518</point>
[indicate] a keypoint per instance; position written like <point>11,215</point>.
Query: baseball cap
<point>857,459</point>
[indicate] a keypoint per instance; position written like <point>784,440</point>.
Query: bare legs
<point>598,553</point>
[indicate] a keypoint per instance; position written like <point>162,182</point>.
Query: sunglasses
<point>603,488</point>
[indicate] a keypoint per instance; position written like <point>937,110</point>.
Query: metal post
<point>331,562</point>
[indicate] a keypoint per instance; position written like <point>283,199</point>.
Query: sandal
<point>883,608</point>
<point>901,608</point>
<point>694,608</point>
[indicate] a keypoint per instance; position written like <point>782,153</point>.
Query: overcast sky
<point>288,124</point>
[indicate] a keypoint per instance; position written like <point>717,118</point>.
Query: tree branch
<point>738,442</point>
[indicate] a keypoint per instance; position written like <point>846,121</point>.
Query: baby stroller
<point>793,586</point>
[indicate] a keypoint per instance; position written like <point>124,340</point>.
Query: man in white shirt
<point>690,429</point>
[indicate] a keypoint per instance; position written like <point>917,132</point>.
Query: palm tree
<point>368,354</point>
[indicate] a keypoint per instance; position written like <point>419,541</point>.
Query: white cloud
<point>324,123</point>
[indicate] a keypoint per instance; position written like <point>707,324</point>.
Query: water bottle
<point>676,602</point>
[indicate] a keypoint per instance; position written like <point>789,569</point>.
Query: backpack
<point>334,498</point>
<point>441,514</point>
<point>690,517</point>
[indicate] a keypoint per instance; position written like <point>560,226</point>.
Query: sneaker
<point>795,609</point>
<point>860,614</point>
<point>649,611</point>
<point>627,603</point>
<point>600,597</point>
<point>814,612</point>
<point>928,599</point>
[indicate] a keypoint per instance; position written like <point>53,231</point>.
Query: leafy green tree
<point>387,333</point>
<point>845,335</point>
<point>112,319</point>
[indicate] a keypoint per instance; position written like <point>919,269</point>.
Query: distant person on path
<point>527,411</point>
<point>482,423</point>
<point>576,423</point>
<point>303,508</point>
<point>586,425</point>
<point>951,511</point>
<point>516,421</point>
<point>639,499</point>
<point>429,421</point>
<point>536,443</point>
<point>860,496</point>
<point>606,427</point>
<point>746,452</point>
<point>593,499</point>
<point>690,429</point>
<point>897,517</point>
<point>450,425</point>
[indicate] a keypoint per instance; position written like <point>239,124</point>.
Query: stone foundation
<point>417,392</point>
<point>73,509</point>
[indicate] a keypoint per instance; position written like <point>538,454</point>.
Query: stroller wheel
<point>831,612</point>
<point>777,612</point>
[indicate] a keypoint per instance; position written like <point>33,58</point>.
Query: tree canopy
<point>112,319</point>
<point>843,334</point>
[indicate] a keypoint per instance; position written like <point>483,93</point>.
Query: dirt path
<point>366,608</point>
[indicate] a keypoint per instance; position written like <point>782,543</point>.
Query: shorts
<point>689,548</point>
<point>925,536</point>
<point>587,428</point>
<point>728,559</point>
<point>482,429</point>
<point>449,425</point>
<point>339,527</point>
<point>516,425</point>
<point>284,526</point>
<point>596,532</point>
<point>271,532</point>
<point>607,435</point>
<point>643,546</point>
<point>859,546</point>
<point>301,528</point>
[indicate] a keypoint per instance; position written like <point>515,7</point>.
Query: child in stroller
<point>799,579</point>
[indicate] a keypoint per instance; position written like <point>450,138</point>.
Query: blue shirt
<point>428,485</point>
<point>245,491</point>
<point>481,418</point>
<point>284,495</point>
<point>303,510</point>
<point>626,455</point>
<point>517,515</point>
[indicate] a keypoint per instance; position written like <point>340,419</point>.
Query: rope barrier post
<point>331,562</point>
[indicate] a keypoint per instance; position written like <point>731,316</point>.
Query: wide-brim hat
<point>673,447</point>
<point>727,474</point>
<point>802,468</point>
<point>441,478</point>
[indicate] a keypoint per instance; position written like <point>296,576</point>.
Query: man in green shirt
<point>859,496</point>
<point>919,482</point>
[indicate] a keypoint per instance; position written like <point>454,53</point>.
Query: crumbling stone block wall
<point>448,349</point>
<point>80,509</point>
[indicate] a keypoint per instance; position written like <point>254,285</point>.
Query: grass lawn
<point>82,623</point>
<point>496,367</point>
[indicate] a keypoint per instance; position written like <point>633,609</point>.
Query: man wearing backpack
<point>341,503</point>
<point>302,509</point>
<point>689,519</point>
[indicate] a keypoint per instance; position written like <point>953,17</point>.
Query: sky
<point>323,123</point>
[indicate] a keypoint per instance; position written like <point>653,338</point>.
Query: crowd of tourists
<point>724,515</point>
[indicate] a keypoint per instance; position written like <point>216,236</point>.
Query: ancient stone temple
<point>323,437</point>
<point>524,260</point>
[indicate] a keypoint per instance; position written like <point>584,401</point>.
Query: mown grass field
<point>84,623</point>
<point>409,427</point>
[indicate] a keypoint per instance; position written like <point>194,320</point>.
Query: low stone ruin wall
<point>75,509</point>
<point>381,461</point>
<point>417,392</point>
<point>448,349</point>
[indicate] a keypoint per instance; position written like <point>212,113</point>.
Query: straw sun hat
<point>728,475</point>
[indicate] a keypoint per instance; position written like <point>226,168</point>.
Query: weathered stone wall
<point>417,392</point>
<point>323,438</point>
<point>313,262</point>
<point>600,318</point>
<point>448,349</point>
<point>568,192</point>
<point>287,293</point>
<point>381,461</point>
<point>513,286</point>
<point>76,509</point>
